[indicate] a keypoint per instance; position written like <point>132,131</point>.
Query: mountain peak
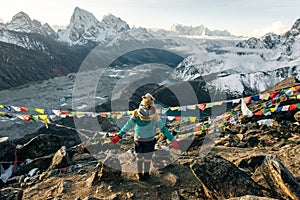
<point>20,15</point>
<point>296,25</point>
<point>79,11</point>
<point>111,17</point>
<point>20,22</point>
<point>116,22</point>
<point>84,28</point>
<point>83,17</point>
<point>294,31</point>
<point>81,22</point>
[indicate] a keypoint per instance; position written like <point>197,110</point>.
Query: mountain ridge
<point>249,66</point>
<point>198,31</point>
<point>253,64</point>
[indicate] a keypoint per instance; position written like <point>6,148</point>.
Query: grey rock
<point>39,146</point>
<point>7,149</point>
<point>11,194</point>
<point>222,179</point>
<point>60,159</point>
<point>273,175</point>
<point>297,116</point>
<point>111,169</point>
<point>251,197</point>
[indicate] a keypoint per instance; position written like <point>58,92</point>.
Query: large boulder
<point>221,179</point>
<point>42,163</point>
<point>7,149</point>
<point>297,116</point>
<point>108,171</point>
<point>11,194</point>
<point>60,159</point>
<point>41,145</point>
<point>272,174</point>
<point>111,168</point>
<point>251,197</point>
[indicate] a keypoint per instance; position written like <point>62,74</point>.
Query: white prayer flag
<point>245,109</point>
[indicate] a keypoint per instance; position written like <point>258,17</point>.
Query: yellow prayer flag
<point>282,99</point>
<point>80,115</point>
<point>2,113</point>
<point>174,108</point>
<point>273,109</point>
<point>119,116</point>
<point>44,118</point>
<point>199,132</point>
<point>130,112</point>
<point>39,110</point>
<point>218,103</point>
<point>193,119</point>
<point>1,106</point>
<point>293,89</point>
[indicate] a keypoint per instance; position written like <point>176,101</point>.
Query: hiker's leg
<point>148,157</point>
<point>140,160</point>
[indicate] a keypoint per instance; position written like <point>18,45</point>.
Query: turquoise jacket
<point>145,129</point>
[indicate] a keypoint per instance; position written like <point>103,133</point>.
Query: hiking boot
<point>146,176</point>
<point>139,176</point>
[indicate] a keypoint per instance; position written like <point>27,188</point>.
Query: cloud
<point>276,27</point>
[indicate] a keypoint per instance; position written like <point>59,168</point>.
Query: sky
<point>240,17</point>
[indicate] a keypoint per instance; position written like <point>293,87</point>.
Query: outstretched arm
<point>129,125</point>
<point>165,130</point>
<point>167,133</point>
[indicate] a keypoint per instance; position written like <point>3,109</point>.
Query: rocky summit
<point>258,158</point>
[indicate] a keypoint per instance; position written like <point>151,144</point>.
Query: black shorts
<point>144,149</point>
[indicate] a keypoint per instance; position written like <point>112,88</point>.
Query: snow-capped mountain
<point>21,22</point>
<point>248,67</point>
<point>236,67</point>
<point>198,31</point>
<point>84,28</point>
<point>134,34</point>
<point>30,52</point>
<point>26,33</point>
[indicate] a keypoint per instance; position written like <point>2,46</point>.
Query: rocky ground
<point>249,161</point>
<point>245,161</point>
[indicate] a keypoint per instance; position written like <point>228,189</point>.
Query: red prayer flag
<point>202,106</point>
<point>64,112</point>
<point>177,118</point>
<point>247,99</point>
<point>274,94</point>
<point>258,113</point>
<point>26,117</point>
<point>23,109</point>
<point>293,107</point>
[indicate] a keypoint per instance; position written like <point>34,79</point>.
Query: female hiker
<point>144,120</point>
